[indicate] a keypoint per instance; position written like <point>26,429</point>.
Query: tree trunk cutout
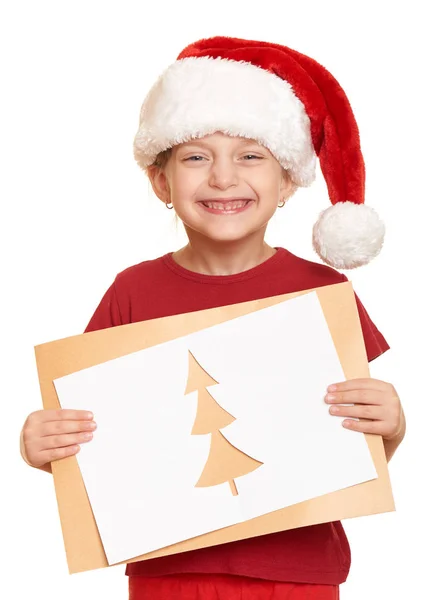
<point>225,461</point>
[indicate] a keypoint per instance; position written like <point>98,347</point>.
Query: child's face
<point>223,188</point>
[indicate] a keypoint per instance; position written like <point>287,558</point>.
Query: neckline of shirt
<point>223,279</point>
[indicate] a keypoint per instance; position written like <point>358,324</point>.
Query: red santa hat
<point>287,102</point>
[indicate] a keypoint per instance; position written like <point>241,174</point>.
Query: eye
<point>250,156</point>
<point>195,158</point>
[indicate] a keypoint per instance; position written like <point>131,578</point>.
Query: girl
<point>226,136</point>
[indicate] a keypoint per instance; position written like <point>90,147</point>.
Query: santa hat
<point>287,102</point>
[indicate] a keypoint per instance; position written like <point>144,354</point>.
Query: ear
<point>158,180</point>
<point>287,186</point>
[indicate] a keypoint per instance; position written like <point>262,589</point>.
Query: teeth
<point>226,205</point>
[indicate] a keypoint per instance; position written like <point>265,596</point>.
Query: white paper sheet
<point>140,470</point>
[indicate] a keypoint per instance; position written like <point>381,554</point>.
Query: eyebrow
<point>196,142</point>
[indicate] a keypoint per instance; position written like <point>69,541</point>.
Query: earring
<point>167,205</point>
<point>282,204</point>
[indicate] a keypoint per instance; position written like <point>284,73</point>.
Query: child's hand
<point>49,435</point>
<point>374,400</point>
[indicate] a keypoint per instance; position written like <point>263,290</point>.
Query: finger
<point>64,427</point>
<point>54,454</point>
<point>361,396</point>
<point>375,413</point>
<point>62,441</point>
<point>375,427</point>
<point>360,384</point>
<point>60,414</point>
<point>67,414</point>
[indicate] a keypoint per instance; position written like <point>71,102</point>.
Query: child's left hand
<point>374,400</point>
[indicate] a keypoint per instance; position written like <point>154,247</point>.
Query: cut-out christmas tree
<point>225,462</point>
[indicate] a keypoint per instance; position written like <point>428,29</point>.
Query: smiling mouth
<point>226,206</point>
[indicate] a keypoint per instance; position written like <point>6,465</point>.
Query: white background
<point>76,209</point>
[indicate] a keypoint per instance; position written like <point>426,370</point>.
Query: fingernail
<point>87,436</point>
<point>332,388</point>
<point>330,397</point>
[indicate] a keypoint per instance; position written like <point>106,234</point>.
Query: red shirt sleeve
<point>373,339</point>
<point>107,313</point>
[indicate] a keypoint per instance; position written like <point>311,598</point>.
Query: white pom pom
<point>348,235</point>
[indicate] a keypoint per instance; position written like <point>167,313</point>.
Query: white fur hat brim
<point>199,96</point>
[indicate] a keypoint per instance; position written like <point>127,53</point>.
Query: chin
<point>223,233</point>
<point>227,237</point>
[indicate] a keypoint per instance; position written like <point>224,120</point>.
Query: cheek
<point>184,188</point>
<point>269,193</point>
<point>269,182</point>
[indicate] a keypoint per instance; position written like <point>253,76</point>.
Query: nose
<point>223,174</point>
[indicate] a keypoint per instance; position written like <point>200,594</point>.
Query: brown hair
<point>163,158</point>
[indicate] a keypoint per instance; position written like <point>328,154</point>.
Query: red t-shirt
<point>158,288</point>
